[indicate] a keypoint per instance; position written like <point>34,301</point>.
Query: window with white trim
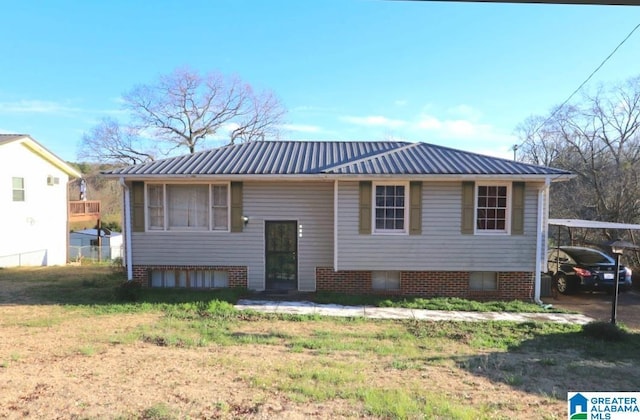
<point>483,281</point>
<point>155,207</point>
<point>18,188</point>
<point>219,207</point>
<point>492,208</point>
<point>390,204</point>
<point>188,207</point>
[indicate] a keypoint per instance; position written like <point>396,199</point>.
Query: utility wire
<point>553,114</point>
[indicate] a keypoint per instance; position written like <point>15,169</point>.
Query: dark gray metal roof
<point>334,157</point>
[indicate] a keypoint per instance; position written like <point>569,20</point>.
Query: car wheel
<point>563,285</point>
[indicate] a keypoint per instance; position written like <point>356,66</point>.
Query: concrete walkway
<point>310,308</point>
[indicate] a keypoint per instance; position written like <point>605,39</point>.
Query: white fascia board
<point>341,177</point>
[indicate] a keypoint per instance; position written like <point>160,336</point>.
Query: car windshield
<point>589,256</point>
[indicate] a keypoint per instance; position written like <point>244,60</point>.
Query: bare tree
<point>110,142</point>
<point>540,144</point>
<point>184,108</point>
<point>599,140</point>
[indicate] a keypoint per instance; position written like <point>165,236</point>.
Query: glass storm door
<point>281,255</point>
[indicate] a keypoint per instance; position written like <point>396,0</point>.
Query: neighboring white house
<point>84,244</point>
<point>33,203</point>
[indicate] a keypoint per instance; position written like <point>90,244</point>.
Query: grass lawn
<point>69,348</point>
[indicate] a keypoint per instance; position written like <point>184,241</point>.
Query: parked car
<point>576,268</point>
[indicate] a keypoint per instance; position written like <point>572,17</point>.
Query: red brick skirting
<point>237,274</point>
<point>511,285</point>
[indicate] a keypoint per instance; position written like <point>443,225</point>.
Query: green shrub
<point>128,291</point>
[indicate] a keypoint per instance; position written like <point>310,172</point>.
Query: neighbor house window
<point>385,280</point>
<point>483,281</point>
<point>188,207</point>
<point>18,189</point>
<point>390,206</point>
<point>492,208</point>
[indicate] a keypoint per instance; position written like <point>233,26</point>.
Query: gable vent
<point>53,180</point>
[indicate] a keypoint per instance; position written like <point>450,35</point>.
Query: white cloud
<point>374,121</point>
<point>428,122</point>
<point>460,129</point>
<point>301,128</point>
<point>400,102</point>
<point>36,107</point>
<point>465,112</point>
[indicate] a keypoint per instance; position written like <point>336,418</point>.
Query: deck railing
<point>84,210</point>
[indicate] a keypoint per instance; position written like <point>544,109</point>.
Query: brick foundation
<point>237,274</point>
<point>511,285</point>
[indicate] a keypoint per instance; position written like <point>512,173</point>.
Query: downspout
<point>335,225</point>
<point>541,240</point>
<point>127,228</point>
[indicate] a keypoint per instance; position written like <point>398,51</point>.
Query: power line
<point>553,114</point>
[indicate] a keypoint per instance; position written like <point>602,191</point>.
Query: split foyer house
<point>33,203</point>
<point>355,217</point>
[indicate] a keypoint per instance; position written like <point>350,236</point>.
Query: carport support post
<point>614,301</point>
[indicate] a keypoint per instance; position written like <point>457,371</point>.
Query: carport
<point>587,224</point>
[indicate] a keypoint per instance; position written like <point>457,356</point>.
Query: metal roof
<point>592,224</point>
<point>334,157</point>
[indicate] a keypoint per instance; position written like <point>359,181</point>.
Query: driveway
<point>598,306</point>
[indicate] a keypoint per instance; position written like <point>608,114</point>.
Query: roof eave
<point>343,177</point>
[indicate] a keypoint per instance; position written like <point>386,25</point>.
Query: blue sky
<point>462,75</point>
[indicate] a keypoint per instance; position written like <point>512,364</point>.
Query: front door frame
<point>269,285</point>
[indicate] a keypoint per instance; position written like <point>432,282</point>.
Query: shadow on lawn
<point>553,364</point>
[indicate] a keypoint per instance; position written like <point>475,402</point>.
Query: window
<point>156,206</point>
<point>187,207</point>
<point>18,189</point>
<point>483,281</point>
<point>385,280</point>
<point>390,208</point>
<point>491,208</point>
<point>200,279</point>
<point>219,207</point>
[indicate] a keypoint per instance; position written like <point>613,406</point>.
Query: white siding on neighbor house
<point>308,203</point>
<point>34,232</point>
<point>441,247</point>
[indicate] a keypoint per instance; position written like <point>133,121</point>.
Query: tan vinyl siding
<point>441,246</point>
<point>308,203</point>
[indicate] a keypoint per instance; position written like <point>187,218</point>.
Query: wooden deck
<point>80,211</point>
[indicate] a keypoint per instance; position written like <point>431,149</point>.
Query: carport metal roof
<point>592,224</point>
